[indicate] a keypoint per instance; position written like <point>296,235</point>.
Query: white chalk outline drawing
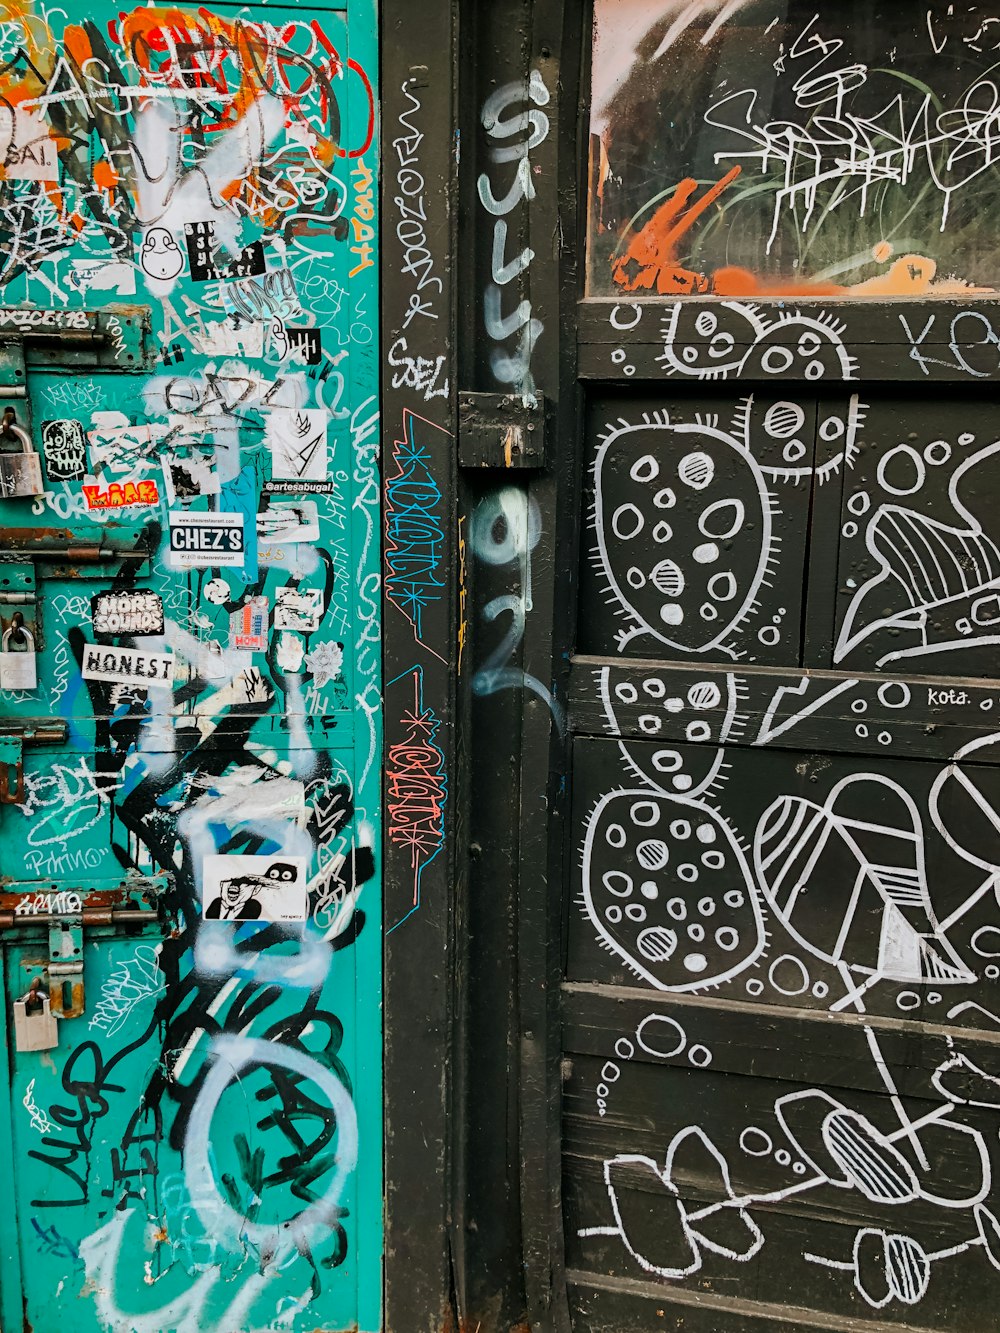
<point>823,332</point>
<point>695,1223</point>
<point>732,721</point>
<point>767,560</point>
<point>768,732</point>
<point>854,418</point>
<point>934,564</point>
<point>849,1153</point>
<point>912,947</point>
<point>696,808</point>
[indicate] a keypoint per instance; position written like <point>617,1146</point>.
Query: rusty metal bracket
<point>498,430</point>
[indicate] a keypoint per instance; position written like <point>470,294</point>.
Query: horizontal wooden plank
<point>940,341</point>
<point>602,1304</point>
<point>712,704</point>
<point>753,1038</point>
<point>788,877</point>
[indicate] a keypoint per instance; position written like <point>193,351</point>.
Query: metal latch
<point>15,733</point>
<point>17,547</point>
<point>56,983</point>
<point>66,966</point>
<point>498,430</point>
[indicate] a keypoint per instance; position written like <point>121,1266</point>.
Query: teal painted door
<point>190,689</point>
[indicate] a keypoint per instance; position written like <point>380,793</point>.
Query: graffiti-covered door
<point>781,994</point>
<point>189,673</point>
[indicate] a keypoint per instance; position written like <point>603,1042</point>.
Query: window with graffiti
<point>775,147</point>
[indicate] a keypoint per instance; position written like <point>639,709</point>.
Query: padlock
<point>20,465</point>
<point>35,1026</point>
<point>18,670</point>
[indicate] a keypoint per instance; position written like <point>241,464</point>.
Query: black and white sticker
<point>254,888</point>
<point>127,612</point>
<point>127,666</point>
<point>65,447</point>
<point>202,540</point>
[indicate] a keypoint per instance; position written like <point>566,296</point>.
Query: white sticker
<point>201,541</point>
<point>187,476</point>
<point>299,609</point>
<point>126,666</point>
<point>289,521</point>
<point>297,440</point>
<point>254,888</point>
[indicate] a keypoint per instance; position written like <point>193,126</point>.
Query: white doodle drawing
<point>778,435</point>
<point>963,812</point>
<point>831,1145</point>
<point>740,339</point>
<point>927,565</point>
<point>39,1120</point>
<point>713,553</point>
<point>673,1245</point>
<point>828,870</point>
<point>668,889</point>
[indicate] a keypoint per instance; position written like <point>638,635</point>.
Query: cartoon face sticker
<point>160,256</point>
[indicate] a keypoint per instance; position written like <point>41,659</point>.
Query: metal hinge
<point>15,734</point>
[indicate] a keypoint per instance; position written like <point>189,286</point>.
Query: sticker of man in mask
<point>254,888</point>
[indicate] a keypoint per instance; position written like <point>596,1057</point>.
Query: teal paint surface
<point>190,194</point>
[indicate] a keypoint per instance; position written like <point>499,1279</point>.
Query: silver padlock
<point>20,465</point>
<point>35,1026</point>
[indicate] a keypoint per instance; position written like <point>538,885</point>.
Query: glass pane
<point>774,147</point>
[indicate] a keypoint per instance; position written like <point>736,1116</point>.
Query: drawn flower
<point>665,1233</point>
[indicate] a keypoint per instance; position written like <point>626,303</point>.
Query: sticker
<point>100,275</point>
<point>201,541</point>
<point>229,337</point>
<point>160,256</point>
<point>127,613</point>
<point>248,625</point>
<point>188,476</point>
<point>326,661</point>
<point>297,440</point>
<point>289,522</point>
<point>17,651</point>
<point>126,666</point>
<point>65,447</point>
<point>116,445</point>
<point>120,494</point>
<point>26,317</point>
<point>254,888</point>
<point>290,651</point>
<point>32,155</point>
<point>202,247</point>
<point>298,608</point>
<point>299,346</point>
